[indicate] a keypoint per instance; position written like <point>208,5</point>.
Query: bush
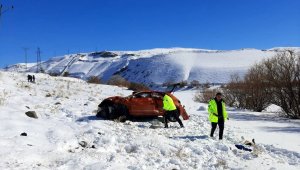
<point>118,80</point>
<point>168,84</point>
<point>53,74</point>
<point>282,75</point>
<point>233,92</point>
<point>195,83</point>
<point>94,80</point>
<point>171,84</point>
<point>206,95</point>
<point>183,84</point>
<point>249,93</point>
<point>137,87</point>
<point>66,74</point>
<point>275,80</point>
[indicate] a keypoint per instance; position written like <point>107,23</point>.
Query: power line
<point>25,51</point>
<point>38,60</point>
<point>4,9</point>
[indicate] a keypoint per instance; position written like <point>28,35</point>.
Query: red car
<point>139,104</point>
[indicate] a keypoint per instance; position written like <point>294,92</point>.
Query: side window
<point>142,95</point>
<point>156,95</point>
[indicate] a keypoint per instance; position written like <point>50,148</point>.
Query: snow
<point>67,135</point>
<point>161,65</point>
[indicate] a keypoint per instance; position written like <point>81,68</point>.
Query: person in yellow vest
<point>170,110</point>
<point>217,114</point>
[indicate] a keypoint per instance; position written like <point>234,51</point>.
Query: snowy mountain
<point>67,134</point>
<point>158,66</point>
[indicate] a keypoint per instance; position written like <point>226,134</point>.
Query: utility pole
<point>38,60</point>
<point>3,9</point>
<point>25,50</point>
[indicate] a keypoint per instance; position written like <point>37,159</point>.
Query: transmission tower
<point>38,60</point>
<point>4,9</point>
<point>25,51</point>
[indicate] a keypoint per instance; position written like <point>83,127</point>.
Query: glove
<point>227,118</point>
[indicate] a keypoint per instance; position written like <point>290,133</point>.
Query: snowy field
<point>67,135</point>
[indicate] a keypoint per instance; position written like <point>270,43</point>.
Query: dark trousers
<point>173,113</point>
<point>221,129</point>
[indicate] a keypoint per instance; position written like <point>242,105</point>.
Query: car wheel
<point>106,111</point>
<point>122,112</point>
<point>100,112</point>
<point>122,118</point>
<point>112,111</point>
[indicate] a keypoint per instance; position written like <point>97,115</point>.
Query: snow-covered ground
<point>67,135</point>
<point>158,66</point>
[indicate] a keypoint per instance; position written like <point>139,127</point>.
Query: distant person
<point>217,114</point>
<point>33,78</point>
<point>170,110</point>
<point>29,78</point>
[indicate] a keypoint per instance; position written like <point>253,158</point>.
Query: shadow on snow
<point>191,138</point>
<point>282,129</point>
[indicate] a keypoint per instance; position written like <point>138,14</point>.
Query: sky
<point>60,27</point>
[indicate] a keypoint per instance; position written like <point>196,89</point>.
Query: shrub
<point>3,97</point>
<point>249,93</point>
<point>275,80</point>
<point>66,74</point>
<point>195,83</point>
<point>206,95</point>
<point>118,80</point>
<point>53,74</point>
<point>183,84</point>
<point>168,83</point>
<point>282,75</point>
<point>94,80</point>
<point>137,87</point>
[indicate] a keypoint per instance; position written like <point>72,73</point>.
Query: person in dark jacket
<point>170,110</point>
<point>29,78</point>
<point>217,114</point>
<point>33,78</point>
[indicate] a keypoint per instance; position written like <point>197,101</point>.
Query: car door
<point>157,97</point>
<point>142,104</point>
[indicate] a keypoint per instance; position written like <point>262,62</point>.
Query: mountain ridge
<point>157,66</point>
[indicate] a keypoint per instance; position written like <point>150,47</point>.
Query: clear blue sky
<point>57,26</point>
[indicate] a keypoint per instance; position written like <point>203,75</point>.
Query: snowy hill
<point>67,135</point>
<point>158,66</point>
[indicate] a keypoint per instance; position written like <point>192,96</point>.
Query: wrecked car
<point>137,105</point>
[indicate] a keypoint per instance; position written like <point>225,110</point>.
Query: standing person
<point>170,110</point>
<point>33,78</point>
<point>29,78</point>
<point>217,114</point>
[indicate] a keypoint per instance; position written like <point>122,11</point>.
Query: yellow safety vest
<point>213,111</point>
<point>168,103</point>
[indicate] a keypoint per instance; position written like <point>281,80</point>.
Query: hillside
<point>67,135</point>
<point>157,66</point>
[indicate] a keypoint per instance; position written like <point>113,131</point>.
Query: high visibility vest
<point>213,111</point>
<point>168,103</point>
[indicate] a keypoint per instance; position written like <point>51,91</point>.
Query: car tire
<point>122,119</point>
<point>106,111</point>
<point>101,112</point>
<point>113,111</point>
<point>122,112</point>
